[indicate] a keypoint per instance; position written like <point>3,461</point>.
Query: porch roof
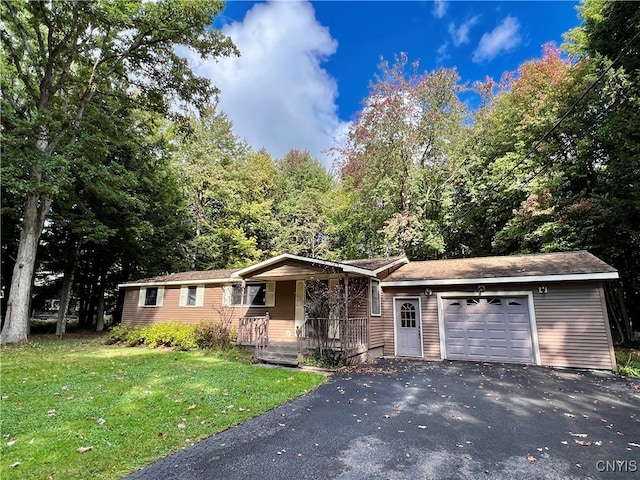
<point>366,267</point>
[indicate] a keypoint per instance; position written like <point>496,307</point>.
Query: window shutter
<point>270,297</point>
<point>184,292</point>
<point>160,296</point>
<point>226,295</point>
<point>141,296</point>
<point>200,296</point>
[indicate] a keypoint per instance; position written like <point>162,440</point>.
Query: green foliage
<point>214,336</point>
<point>205,335</point>
<point>628,361</point>
<point>397,162</point>
<point>326,358</point>
<point>133,406</point>
<point>227,188</point>
<point>168,334</point>
<point>302,203</point>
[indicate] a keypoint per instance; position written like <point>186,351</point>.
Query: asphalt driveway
<point>399,419</point>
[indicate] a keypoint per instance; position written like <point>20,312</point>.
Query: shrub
<point>127,335</point>
<point>173,334</point>
<point>214,335</point>
<point>628,362</point>
<point>327,357</point>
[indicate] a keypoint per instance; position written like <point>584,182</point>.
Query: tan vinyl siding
<point>573,329</point>
<point>282,314</point>
<point>571,320</point>
<point>429,314</point>
<point>291,268</point>
<point>171,311</point>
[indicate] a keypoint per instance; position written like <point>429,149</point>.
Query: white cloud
<point>460,35</point>
<point>443,53</point>
<point>504,38</point>
<point>276,93</point>
<point>440,8</point>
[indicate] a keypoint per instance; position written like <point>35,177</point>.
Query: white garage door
<point>488,329</point>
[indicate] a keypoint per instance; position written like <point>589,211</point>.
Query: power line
<point>556,125</point>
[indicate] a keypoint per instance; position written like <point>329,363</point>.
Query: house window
<point>192,296</point>
<point>252,295</point>
<point>375,298</point>
<point>151,296</point>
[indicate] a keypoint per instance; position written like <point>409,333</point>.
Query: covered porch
<point>315,308</point>
<point>345,338</point>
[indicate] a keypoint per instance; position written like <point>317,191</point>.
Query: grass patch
<point>132,406</point>
<point>628,361</point>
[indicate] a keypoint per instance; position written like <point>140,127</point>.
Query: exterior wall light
<point>542,289</point>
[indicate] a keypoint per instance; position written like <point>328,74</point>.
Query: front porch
<point>344,338</point>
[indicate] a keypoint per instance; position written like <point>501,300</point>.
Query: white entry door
<point>408,337</point>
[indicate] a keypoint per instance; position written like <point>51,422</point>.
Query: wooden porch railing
<point>354,333</point>
<point>254,330</point>
<point>346,334</point>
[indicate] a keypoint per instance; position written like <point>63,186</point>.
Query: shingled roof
<point>181,277</point>
<point>373,264</point>
<point>534,266</point>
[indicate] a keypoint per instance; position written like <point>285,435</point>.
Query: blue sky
<point>305,67</point>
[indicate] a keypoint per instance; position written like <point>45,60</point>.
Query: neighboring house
<point>542,309</point>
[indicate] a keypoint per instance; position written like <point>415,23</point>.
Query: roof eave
<point>498,280</point>
<point>180,282</point>
<point>400,261</point>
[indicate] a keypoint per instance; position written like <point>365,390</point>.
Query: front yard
<point>75,408</point>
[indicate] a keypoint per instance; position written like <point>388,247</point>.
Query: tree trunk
<point>100,309</point>
<point>65,295</point>
<point>16,325</point>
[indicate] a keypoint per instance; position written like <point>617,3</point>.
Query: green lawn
<point>126,406</point>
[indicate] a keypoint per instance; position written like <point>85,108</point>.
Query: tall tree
<point>301,204</point>
<point>57,57</point>
<point>397,158</point>
<point>228,188</point>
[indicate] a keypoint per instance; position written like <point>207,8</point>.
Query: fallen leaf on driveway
<point>422,426</point>
<point>631,444</point>
<point>84,449</point>
<point>581,435</point>
<point>531,458</point>
<point>570,415</point>
<point>582,442</point>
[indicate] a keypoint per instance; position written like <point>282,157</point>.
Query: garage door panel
<point>493,334</point>
<point>473,333</point>
<point>488,329</point>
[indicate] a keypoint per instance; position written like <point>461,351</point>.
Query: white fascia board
<point>495,280</point>
<point>288,256</point>
<point>180,282</point>
<point>400,261</point>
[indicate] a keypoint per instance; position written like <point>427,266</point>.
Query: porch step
<point>280,354</point>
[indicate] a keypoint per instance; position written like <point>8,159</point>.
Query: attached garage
<point>541,309</point>
<point>494,329</point>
